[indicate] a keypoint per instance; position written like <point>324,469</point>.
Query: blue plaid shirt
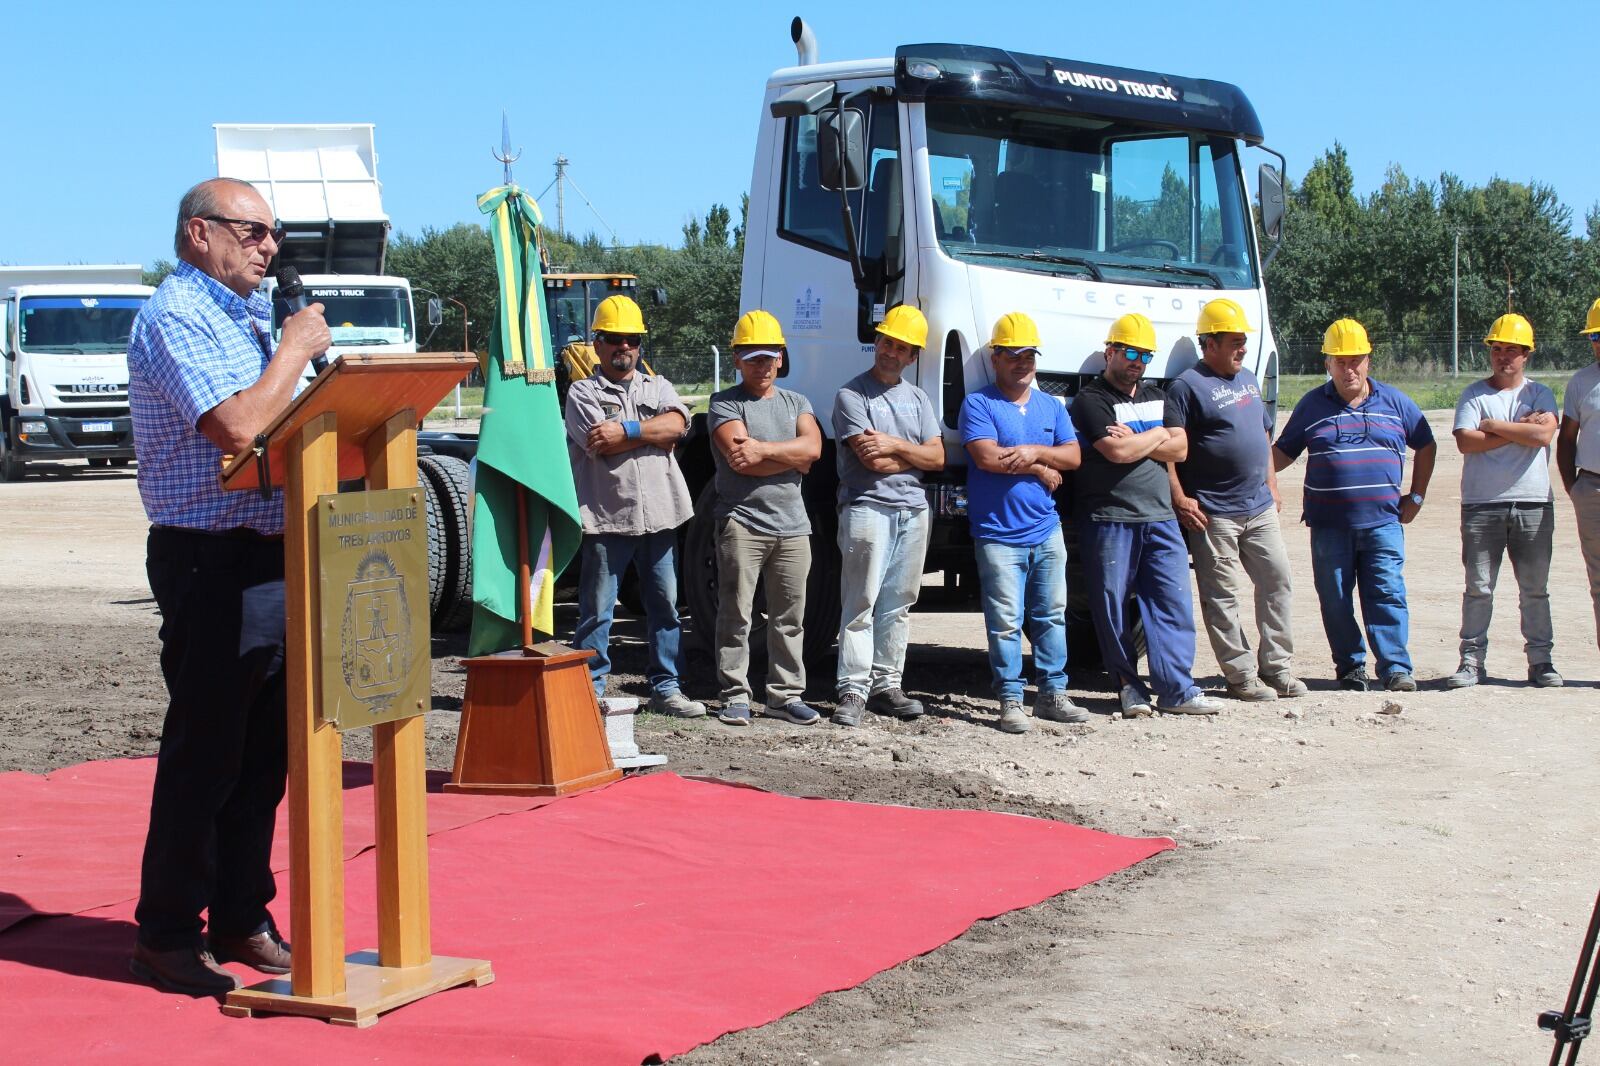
<point>195,343</point>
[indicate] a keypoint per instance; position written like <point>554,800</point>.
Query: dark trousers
<point>223,760</point>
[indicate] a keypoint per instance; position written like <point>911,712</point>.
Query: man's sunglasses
<point>621,340</point>
<point>1135,355</point>
<point>256,232</point>
<point>1595,337</point>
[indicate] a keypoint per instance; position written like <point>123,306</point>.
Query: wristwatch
<point>1416,498</point>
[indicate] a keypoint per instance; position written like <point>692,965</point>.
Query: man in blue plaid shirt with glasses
<point>203,380</point>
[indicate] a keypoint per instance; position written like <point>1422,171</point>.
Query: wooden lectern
<point>358,419</point>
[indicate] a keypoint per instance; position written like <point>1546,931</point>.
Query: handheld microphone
<point>293,292</point>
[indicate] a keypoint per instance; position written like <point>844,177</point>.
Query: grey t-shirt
<point>772,504</point>
<point>900,410</point>
<point>1582,405</point>
<point>1511,473</point>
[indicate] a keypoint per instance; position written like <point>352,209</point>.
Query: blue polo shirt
<point>1012,508</point>
<point>1355,456</point>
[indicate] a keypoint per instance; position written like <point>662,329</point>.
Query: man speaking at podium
<point>203,380</point>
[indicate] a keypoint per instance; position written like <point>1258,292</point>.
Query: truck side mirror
<point>658,297</point>
<point>435,311</point>
<point>841,150</point>
<point>1271,194</point>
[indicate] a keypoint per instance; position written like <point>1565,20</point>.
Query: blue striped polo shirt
<point>1355,456</point>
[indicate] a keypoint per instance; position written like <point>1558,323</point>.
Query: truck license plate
<point>97,427</point>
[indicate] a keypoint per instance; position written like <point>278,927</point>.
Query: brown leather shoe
<point>266,951</point>
<point>191,971</point>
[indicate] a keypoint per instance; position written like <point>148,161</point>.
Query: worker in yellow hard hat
<point>1578,454</point>
<point>623,426</point>
<point>764,439</point>
<point>1503,429</point>
<point>1225,494</point>
<point>886,435</point>
<point>1132,544</point>
<point>1355,431</point>
<point>1019,440</point>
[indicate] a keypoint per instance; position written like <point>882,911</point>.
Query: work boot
<point>1012,717</point>
<point>1543,675</point>
<point>894,703</point>
<point>1058,707</point>
<point>677,705</point>
<point>852,708</point>
<point>1253,690</point>
<point>1286,685</point>
<point>192,971</point>
<point>1466,676</point>
<point>266,951</point>
<point>1400,681</point>
<point>1134,703</point>
<point>1356,679</point>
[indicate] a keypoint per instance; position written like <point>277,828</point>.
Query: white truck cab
<point>970,182</point>
<point>64,334</point>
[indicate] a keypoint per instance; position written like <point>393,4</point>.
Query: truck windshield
<point>570,307</point>
<point>1086,196</point>
<point>77,325</point>
<point>357,314</point>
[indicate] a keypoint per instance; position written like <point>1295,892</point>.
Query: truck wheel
<point>11,467</point>
<point>447,477</point>
<point>699,579</point>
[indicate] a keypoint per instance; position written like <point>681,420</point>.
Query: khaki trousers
<point>780,564</point>
<point>1586,506</point>
<point>1226,553</point>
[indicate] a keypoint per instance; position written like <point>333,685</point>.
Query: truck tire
<point>451,598</point>
<point>698,577</point>
<point>11,467</point>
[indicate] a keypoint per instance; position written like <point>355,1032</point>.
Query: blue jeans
<point>1025,583</point>
<point>1150,561</point>
<point>1343,560</point>
<point>880,574</point>
<point>605,559</point>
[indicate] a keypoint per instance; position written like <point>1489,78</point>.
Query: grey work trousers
<point>781,565</point>
<point>1586,506</point>
<point>1489,533</point>
<point>1226,553</point>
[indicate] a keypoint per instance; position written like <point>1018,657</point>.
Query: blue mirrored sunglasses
<point>1594,337</point>
<point>1131,354</point>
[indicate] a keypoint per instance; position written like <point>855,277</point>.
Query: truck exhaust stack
<point>805,42</point>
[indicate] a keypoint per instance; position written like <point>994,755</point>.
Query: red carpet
<point>641,919</point>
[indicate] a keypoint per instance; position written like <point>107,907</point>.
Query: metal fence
<point>1428,354</point>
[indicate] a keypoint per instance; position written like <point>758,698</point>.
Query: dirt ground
<point>1350,886</point>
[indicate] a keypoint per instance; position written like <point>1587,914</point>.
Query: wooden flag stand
<point>530,723</point>
<point>356,420</point>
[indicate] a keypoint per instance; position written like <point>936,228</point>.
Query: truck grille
<point>100,394</point>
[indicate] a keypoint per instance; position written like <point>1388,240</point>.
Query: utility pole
<point>561,189</point>
<point>1455,311</point>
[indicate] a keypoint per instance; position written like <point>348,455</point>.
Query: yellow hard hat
<point>905,323</point>
<point>1592,323</point>
<point>1346,339</point>
<point>1511,329</point>
<point>757,328</point>
<point>618,314</point>
<point>1222,315</point>
<point>1133,330</point>
<point>1015,330</point>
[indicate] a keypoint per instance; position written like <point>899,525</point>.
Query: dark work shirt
<point>1229,446</point>
<point>1120,492</point>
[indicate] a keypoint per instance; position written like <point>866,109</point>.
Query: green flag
<point>522,442</point>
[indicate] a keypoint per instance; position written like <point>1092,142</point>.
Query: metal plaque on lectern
<point>372,556</point>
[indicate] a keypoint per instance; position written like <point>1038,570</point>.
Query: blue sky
<point>110,106</point>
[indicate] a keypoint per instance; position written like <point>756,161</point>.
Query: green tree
<point>457,262</point>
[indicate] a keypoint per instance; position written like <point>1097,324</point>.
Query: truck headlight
<point>35,427</point>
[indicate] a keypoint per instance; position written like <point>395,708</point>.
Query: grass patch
<point>1431,391</point>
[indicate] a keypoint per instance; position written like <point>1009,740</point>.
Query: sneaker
<point>1134,703</point>
<point>1199,703</point>
<point>1254,690</point>
<point>1012,718</point>
<point>1355,680</point>
<point>1466,676</point>
<point>1400,681</point>
<point>794,711</point>
<point>894,703</point>
<point>1286,685</point>
<point>1543,675</point>
<point>851,709</point>
<point>734,714</point>
<point>677,705</point>
<point>1058,707</point>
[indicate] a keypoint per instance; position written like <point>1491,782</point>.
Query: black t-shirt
<point>1121,492</point>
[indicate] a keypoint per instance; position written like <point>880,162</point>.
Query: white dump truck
<point>64,337</point>
<point>321,182</point>
<point>969,182</point>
